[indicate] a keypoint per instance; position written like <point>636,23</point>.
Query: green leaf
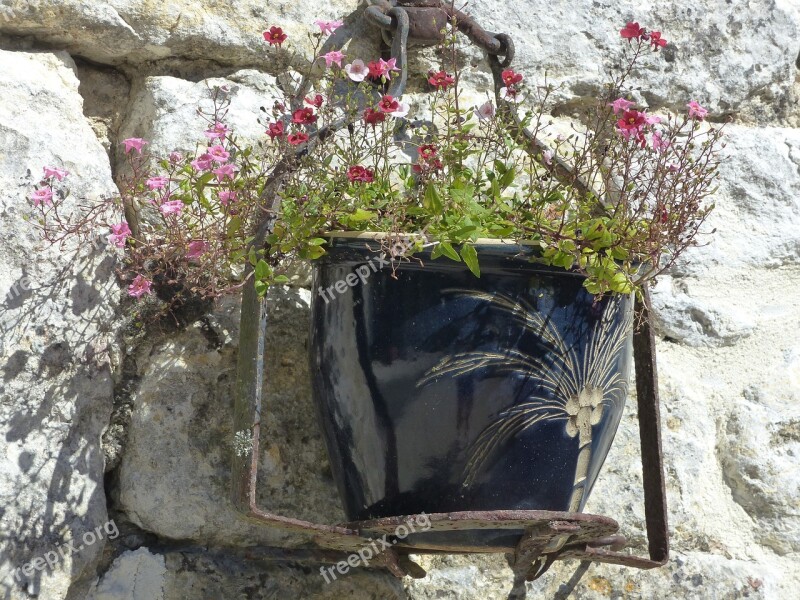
<point>281,279</point>
<point>450,252</point>
<point>261,288</point>
<point>263,270</point>
<point>362,215</point>
<point>432,200</point>
<point>508,178</point>
<point>470,257</point>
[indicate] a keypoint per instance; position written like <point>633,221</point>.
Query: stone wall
<point>100,421</point>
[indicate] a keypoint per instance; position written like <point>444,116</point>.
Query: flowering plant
<point>618,197</point>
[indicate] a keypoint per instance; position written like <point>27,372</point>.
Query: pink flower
<point>316,101</point>
<point>218,153</point>
<point>382,68</point>
<point>328,27</point>
<point>620,105</point>
<point>295,139</point>
<point>225,172</point>
<point>392,106</point>
<point>510,94</point>
<point>55,172</point>
<point>216,132</point>
<point>175,157</point>
<point>227,196</point>
<point>547,157</point>
<point>441,79</point>
<point>304,116</point>
<point>651,119</point>
<point>139,287</point>
<point>275,129</point>
<point>134,144</point>
<point>632,31</point>
<point>42,196</point>
<point>357,70</point>
<point>204,162</point>
<point>157,183</point>
<point>696,111</point>
<point>196,249</point>
<point>485,111</point>
<point>359,173</point>
<point>333,57</point>
<point>275,36</point>
<point>656,40</point>
<point>171,207</point>
<point>119,233</point>
<point>659,143</point>
<point>510,77</point>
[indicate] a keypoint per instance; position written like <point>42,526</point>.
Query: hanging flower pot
<point>441,392</point>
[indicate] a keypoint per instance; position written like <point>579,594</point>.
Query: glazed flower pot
<point>441,392</point>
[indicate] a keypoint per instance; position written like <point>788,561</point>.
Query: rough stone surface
<point>727,315</point>
<point>56,321</point>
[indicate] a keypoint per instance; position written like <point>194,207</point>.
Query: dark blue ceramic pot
<point>442,392</point>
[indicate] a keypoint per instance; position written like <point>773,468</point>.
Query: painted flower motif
<point>584,410</point>
<point>157,183</point>
<point>485,111</point>
<point>295,139</point>
<point>119,233</point>
<point>357,173</point>
<point>357,71</point>
<point>620,105</point>
<point>219,154</point>
<point>204,162</point>
<point>304,116</point>
<point>316,101</point>
<point>134,144</point>
<point>656,40</point>
<point>328,27</point>
<point>510,77</point>
<point>632,31</point>
<point>696,111</point>
<point>334,57</point>
<point>440,80</point>
<point>196,249</point>
<point>139,287</point>
<point>55,172</point>
<point>41,196</point>
<point>225,172</point>
<point>171,207</point>
<point>227,196</point>
<point>373,117</point>
<point>217,131</point>
<point>275,36</point>
<point>275,130</point>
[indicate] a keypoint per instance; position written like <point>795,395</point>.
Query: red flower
<point>427,151</point>
<point>275,36</point>
<point>632,31</point>
<point>373,117</point>
<point>631,125</point>
<point>388,104</point>
<point>510,77</point>
<point>427,166</point>
<point>375,70</point>
<point>304,116</point>
<point>440,79</point>
<point>295,139</point>
<point>315,101</point>
<point>275,129</point>
<point>359,173</point>
<point>656,40</point>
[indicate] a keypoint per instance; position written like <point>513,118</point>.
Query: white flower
<point>357,70</point>
<point>402,111</point>
<point>485,111</point>
<point>510,95</point>
<point>547,157</point>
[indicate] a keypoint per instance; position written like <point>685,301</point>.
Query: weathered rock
<point>56,321</point>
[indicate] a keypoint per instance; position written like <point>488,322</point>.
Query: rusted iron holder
<point>544,536</point>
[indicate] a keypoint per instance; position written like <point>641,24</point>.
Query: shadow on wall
<point>56,394</point>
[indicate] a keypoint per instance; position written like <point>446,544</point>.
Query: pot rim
<point>377,235</point>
